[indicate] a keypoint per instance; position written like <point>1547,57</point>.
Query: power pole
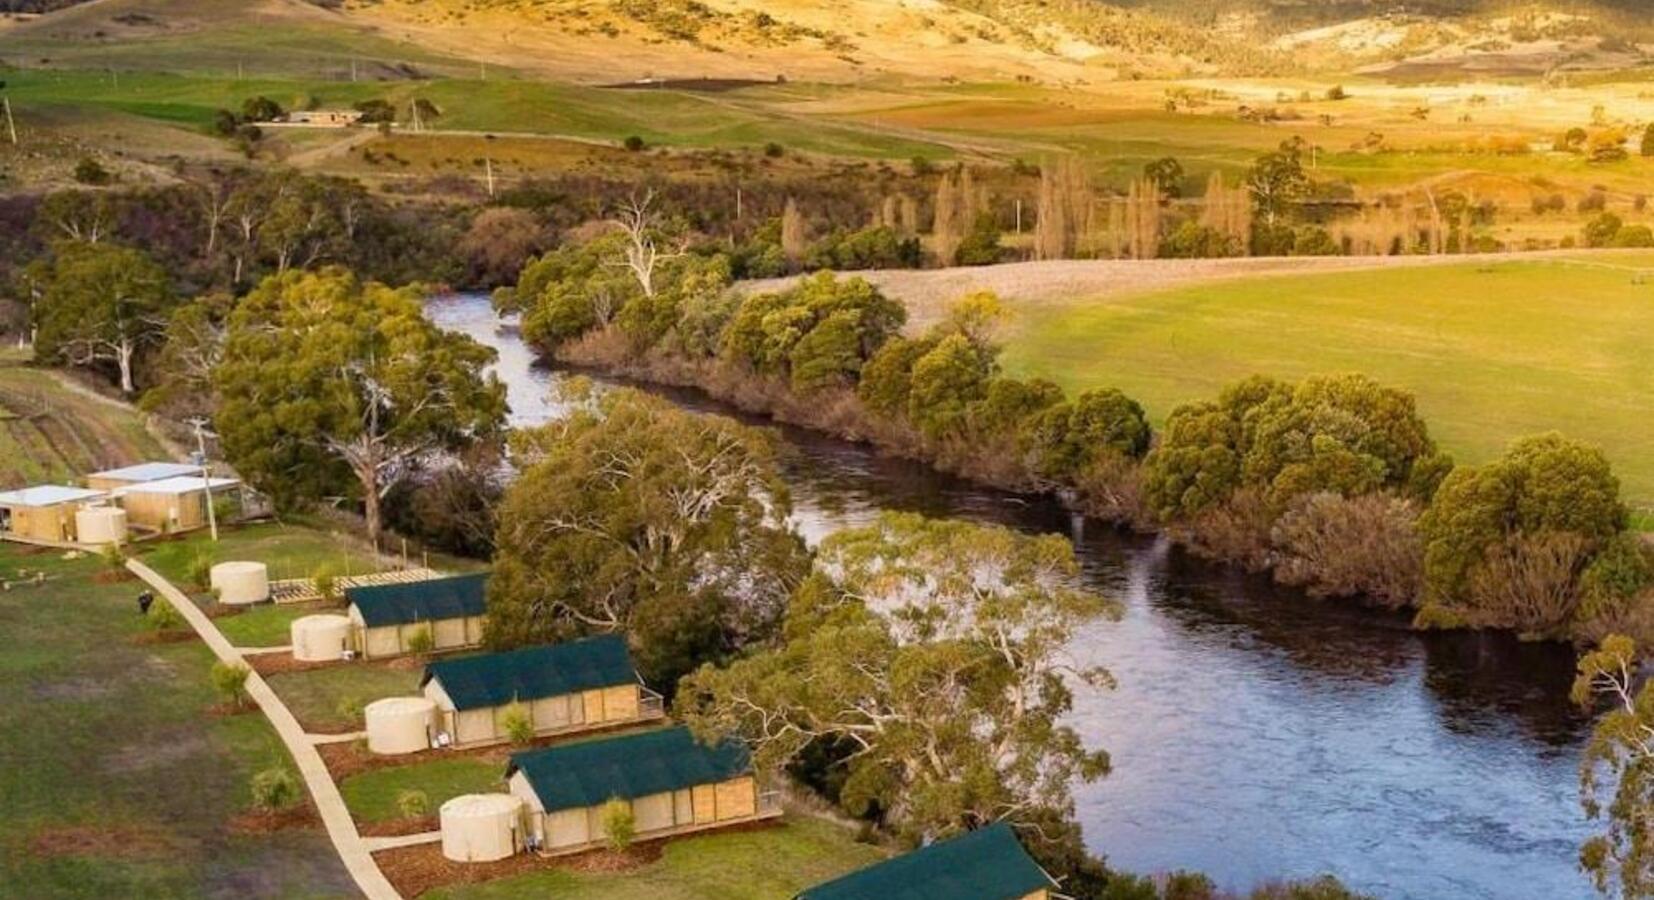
<point>1019,215</point>
<point>488,165</point>
<point>11,125</point>
<point>353,68</point>
<point>200,426</point>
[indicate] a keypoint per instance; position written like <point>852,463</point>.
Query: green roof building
<point>562,688</point>
<point>673,783</point>
<point>385,617</point>
<point>986,864</point>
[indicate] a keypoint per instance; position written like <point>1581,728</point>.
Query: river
<point>1255,733</point>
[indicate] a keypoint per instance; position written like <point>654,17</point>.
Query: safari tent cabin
<point>674,784</point>
<point>986,864</point>
<point>577,686</point>
<point>43,513</point>
<point>385,617</point>
<point>172,505</point>
<point>126,476</point>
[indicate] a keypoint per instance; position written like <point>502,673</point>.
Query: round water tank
<point>481,827</point>
<point>399,724</point>
<point>100,525</point>
<point>320,638</point>
<point>240,583</point>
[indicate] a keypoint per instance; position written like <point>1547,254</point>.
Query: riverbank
<point>1298,728</point>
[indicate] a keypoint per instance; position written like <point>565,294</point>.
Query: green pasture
<point>1492,351</point>
<point>330,700</point>
<point>117,780</point>
<point>660,117</point>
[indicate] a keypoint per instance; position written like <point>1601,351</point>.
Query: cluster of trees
<point>911,671</point>
<point>1333,484</point>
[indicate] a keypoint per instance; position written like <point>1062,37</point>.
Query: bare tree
<point>640,223</point>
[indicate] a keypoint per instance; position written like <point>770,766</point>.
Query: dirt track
<point>927,292</point>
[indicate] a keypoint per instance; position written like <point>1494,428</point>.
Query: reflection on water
<point>1255,733</point>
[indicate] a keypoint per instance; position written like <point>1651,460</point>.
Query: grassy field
<point>290,550</point>
<point>372,795</point>
<point>772,864</point>
<point>1493,352</point>
<point>330,699</point>
<point>117,782</point>
<point>49,433</point>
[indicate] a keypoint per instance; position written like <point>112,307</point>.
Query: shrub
<point>1616,591</point>
<point>413,804</point>
<point>774,150</point>
<point>619,825</point>
<point>518,724</point>
<point>114,557</point>
<point>229,681</point>
<point>1601,231</point>
<point>274,789</point>
<point>350,709</point>
<point>90,171</point>
<point>1333,546</point>
<point>327,584</point>
<point>199,569</point>
<point>421,639</point>
<point>163,617</point>
<point>634,143</point>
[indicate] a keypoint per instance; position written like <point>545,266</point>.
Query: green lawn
<point>330,699</point>
<point>266,625</point>
<point>1493,352</point>
<point>372,795</point>
<point>116,782</point>
<point>291,550</point>
<point>773,864</point>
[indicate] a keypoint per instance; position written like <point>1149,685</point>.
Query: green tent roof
<point>453,597</point>
<point>589,773</point>
<point>495,679</point>
<point>986,864</point>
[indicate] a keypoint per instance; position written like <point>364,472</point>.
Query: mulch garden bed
<point>415,870</point>
<point>261,821</point>
<point>276,663</point>
<point>112,576</point>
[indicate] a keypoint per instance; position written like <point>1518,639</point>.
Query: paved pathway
<point>407,840</point>
<point>347,737</point>
<point>341,828</point>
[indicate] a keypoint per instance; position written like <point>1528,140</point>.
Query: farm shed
<point>385,617</point>
<point>575,686</point>
<point>986,864</point>
<point>336,118</point>
<point>673,783</point>
<point>43,513</point>
<point>126,476</point>
<point>172,505</point>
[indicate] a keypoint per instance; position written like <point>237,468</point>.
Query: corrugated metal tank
<point>100,525</point>
<point>320,638</point>
<point>241,583</point>
<point>399,724</point>
<point>481,827</point>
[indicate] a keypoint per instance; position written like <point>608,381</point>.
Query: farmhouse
<point>43,513</point>
<point>172,505</point>
<point>385,617</point>
<point>986,864</point>
<point>126,476</point>
<point>673,783</point>
<point>334,118</point>
<point>577,686</point>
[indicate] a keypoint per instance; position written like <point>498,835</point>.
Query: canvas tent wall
<point>43,513</point>
<point>575,686</point>
<point>986,864</point>
<point>385,617</point>
<point>172,505</point>
<point>673,783</point>
<point>126,476</point>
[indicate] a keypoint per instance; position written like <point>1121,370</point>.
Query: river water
<point>1255,733</point>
